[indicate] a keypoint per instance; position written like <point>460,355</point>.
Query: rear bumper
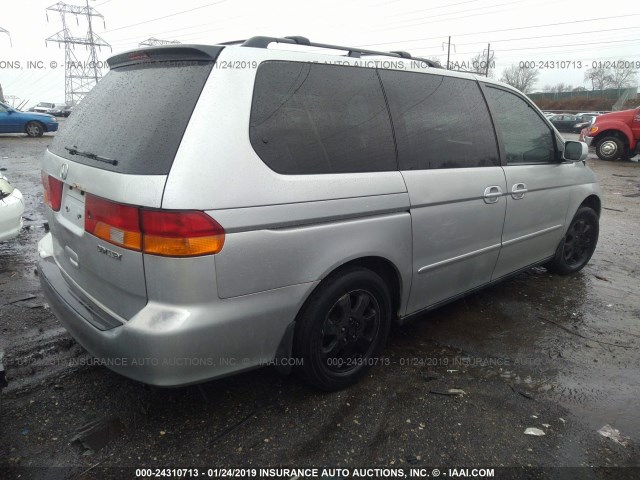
<point>11,210</point>
<point>173,345</point>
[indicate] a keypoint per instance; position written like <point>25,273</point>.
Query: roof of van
<point>298,46</point>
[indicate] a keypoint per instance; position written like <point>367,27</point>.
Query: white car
<point>11,210</point>
<point>44,107</point>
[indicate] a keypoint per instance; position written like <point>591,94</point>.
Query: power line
<point>554,35</point>
<point>552,46</point>
<point>500,30</point>
<point>474,15</point>
<point>166,16</point>
<point>2,30</point>
<point>465,11</point>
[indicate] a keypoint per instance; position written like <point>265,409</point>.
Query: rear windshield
<point>136,115</point>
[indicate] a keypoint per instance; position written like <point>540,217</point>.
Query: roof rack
<point>264,42</point>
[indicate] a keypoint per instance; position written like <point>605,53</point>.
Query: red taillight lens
<point>113,222</point>
<point>158,232</point>
<point>52,191</point>
<point>181,234</point>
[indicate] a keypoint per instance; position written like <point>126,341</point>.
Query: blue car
<point>33,124</point>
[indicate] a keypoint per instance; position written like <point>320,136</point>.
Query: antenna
<point>81,72</point>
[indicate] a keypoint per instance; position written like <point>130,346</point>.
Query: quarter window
<point>527,138</point>
<point>311,118</point>
<point>440,122</point>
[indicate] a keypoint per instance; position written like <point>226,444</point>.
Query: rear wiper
<point>92,156</point>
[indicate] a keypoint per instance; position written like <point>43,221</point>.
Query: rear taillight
<point>181,234</point>
<point>52,191</point>
<point>113,222</point>
<point>158,232</point>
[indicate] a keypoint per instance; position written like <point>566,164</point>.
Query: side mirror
<point>9,111</point>
<point>575,151</point>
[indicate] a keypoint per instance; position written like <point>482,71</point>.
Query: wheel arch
<point>386,270</point>
<point>382,266</point>
<point>593,202</point>
<point>614,132</point>
<point>42,125</point>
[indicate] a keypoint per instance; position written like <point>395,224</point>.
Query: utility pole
<point>81,72</point>
<point>486,70</point>
<point>448,50</point>
<point>152,42</point>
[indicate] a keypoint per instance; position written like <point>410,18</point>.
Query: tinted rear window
<point>137,115</point>
<point>440,122</point>
<point>314,118</point>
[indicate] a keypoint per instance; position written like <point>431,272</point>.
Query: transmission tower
<point>81,71</point>
<point>152,42</point>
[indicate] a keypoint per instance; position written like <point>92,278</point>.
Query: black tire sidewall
<point>311,319</point>
<point>558,264</point>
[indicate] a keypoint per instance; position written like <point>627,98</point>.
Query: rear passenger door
<point>448,156</point>
<point>538,182</point>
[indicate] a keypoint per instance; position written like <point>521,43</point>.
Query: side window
<point>527,138</point>
<point>311,118</point>
<point>440,122</point>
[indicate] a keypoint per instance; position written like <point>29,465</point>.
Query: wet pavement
<point>542,351</point>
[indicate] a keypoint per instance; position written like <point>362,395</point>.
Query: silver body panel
<point>228,312</point>
<point>456,235</point>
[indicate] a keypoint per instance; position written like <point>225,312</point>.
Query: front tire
<point>578,244</point>
<point>343,328</point>
<point>34,129</point>
<point>610,148</point>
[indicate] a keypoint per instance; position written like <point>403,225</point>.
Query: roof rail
<point>264,42</point>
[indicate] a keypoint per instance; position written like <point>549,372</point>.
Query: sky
<point>562,37</point>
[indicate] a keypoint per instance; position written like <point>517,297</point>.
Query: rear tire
<point>610,148</point>
<point>578,244</point>
<point>343,328</point>
<point>34,129</point>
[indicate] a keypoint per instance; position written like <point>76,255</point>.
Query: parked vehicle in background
<point>584,121</point>
<point>300,227</point>
<point>61,111</point>
<point>11,210</point>
<point>616,135</point>
<point>33,124</point>
<point>43,107</point>
<point>564,122</point>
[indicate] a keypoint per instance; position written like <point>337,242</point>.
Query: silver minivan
<point>215,209</point>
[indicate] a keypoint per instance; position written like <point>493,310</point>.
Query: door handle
<point>518,191</point>
<point>492,194</point>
